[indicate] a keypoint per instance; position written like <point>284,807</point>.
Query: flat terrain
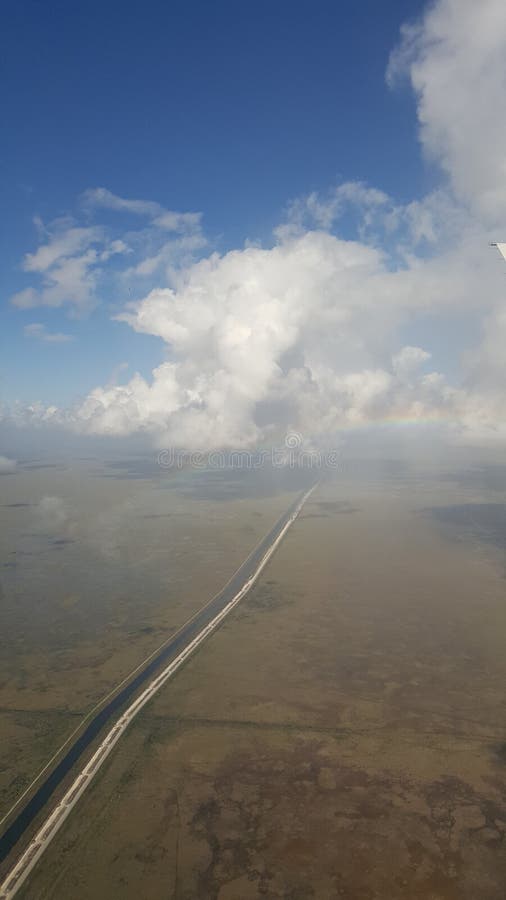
<point>342,736</point>
<point>98,565</point>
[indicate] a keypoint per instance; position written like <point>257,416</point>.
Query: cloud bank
<point>318,333</point>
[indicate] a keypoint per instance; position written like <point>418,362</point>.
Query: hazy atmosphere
<point>252,438</point>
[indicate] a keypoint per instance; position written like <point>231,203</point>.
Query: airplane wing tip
<point>501,247</point>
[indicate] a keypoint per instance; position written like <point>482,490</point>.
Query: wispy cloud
<point>96,198</point>
<point>73,261</point>
<point>50,515</point>
<point>61,246</point>
<point>39,332</point>
<point>101,198</point>
<point>7,466</point>
<point>66,264</point>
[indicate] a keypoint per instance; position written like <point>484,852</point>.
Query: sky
<point>226,221</point>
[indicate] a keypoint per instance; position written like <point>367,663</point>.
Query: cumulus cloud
<point>455,60</point>
<point>316,332</point>
<point>408,361</point>
<point>305,334</point>
<point>229,324</point>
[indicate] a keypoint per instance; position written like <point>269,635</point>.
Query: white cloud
<point>100,197</point>
<point>378,219</point>
<point>308,334</point>
<point>51,514</point>
<point>320,333</point>
<point>70,281</point>
<point>323,212</point>
<point>75,266</point>
<point>163,218</point>
<point>67,266</point>
<point>175,221</point>
<point>39,331</point>
<point>7,466</point>
<point>170,255</point>
<point>28,298</point>
<point>300,334</point>
<point>455,60</point>
<point>408,361</point>
<point>61,246</point>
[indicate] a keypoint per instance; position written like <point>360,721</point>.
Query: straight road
<point>175,652</point>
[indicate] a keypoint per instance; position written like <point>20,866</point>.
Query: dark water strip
<point>37,802</point>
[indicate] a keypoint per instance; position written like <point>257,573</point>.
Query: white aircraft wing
<point>502,249</point>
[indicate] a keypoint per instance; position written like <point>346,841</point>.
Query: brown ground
<point>84,599</point>
<point>342,736</point>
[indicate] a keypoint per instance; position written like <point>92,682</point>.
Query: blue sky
<point>228,108</point>
<point>275,213</point>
